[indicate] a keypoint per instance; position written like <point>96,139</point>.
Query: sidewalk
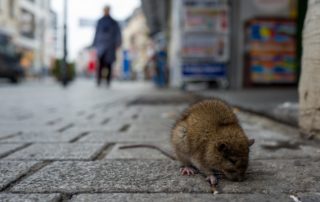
<point>63,145</point>
<point>280,104</point>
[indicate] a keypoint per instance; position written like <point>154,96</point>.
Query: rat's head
<point>232,159</point>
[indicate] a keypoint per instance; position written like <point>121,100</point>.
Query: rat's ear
<point>251,142</point>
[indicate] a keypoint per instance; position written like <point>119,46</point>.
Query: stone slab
<point>7,148</point>
<point>6,132</point>
<point>42,137</point>
<point>11,170</point>
<point>303,152</point>
<point>30,197</point>
<point>179,197</point>
<point>162,176</point>
<point>60,151</point>
<point>262,134</point>
<point>152,128</point>
<point>107,136</point>
<point>137,153</point>
<point>111,176</point>
<point>111,126</point>
<point>309,197</point>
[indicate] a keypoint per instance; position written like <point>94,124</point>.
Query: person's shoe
<point>98,83</point>
<point>108,84</point>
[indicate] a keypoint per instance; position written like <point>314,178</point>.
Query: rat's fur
<point>209,137</point>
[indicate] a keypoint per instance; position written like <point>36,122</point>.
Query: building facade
<point>31,23</point>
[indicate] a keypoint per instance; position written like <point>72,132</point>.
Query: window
<point>27,24</point>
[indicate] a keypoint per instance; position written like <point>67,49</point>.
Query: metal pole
<point>64,78</point>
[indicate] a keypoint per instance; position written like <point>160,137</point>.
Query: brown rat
<point>209,137</point>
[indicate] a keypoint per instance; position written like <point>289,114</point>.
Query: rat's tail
<point>150,146</point>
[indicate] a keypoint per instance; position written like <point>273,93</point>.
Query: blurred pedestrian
<point>106,42</point>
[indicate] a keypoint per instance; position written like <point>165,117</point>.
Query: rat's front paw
<point>187,171</point>
<point>213,181</point>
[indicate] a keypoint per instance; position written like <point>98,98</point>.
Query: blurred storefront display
<point>243,43</point>
<point>271,51</point>
<point>205,40</point>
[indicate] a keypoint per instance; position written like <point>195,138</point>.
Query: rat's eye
<point>233,161</point>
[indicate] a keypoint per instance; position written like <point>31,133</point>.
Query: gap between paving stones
<point>15,150</point>
<point>32,170</point>
<point>66,127</point>
<point>103,152</point>
<point>10,136</point>
<point>79,137</point>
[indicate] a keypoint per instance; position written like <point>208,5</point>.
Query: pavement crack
<point>66,127</point>
<point>103,152</point>
<point>15,150</point>
<point>28,173</point>
<point>91,116</point>
<point>54,121</point>
<point>79,137</point>
<point>10,135</point>
<point>65,197</point>
<point>124,128</point>
<point>135,116</point>
<point>105,121</point>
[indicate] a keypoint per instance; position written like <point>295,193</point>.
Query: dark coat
<point>107,39</point>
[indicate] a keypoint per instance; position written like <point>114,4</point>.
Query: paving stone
<point>303,152</point>
<point>44,136</point>
<point>137,153</point>
<point>180,197</point>
<point>11,170</point>
<point>110,136</point>
<point>30,197</point>
<point>113,125</point>
<point>162,176</point>
<point>262,135</point>
<point>111,176</point>
<point>7,148</point>
<point>274,176</point>
<point>309,197</point>
<point>151,128</point>
<point>5,132</point>
<point>57,152</point>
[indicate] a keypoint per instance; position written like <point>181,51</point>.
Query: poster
<point>272,51</point>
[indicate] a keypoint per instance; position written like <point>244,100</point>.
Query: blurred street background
<point>60,133</point>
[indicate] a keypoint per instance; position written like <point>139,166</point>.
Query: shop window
<point>27,24</point>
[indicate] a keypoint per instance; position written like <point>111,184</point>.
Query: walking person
<point>106,42</point>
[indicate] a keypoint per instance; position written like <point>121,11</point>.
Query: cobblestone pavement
<point>63,145</point>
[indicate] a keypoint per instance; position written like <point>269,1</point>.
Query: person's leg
<point>109,77</point>
<point>99,71</point>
